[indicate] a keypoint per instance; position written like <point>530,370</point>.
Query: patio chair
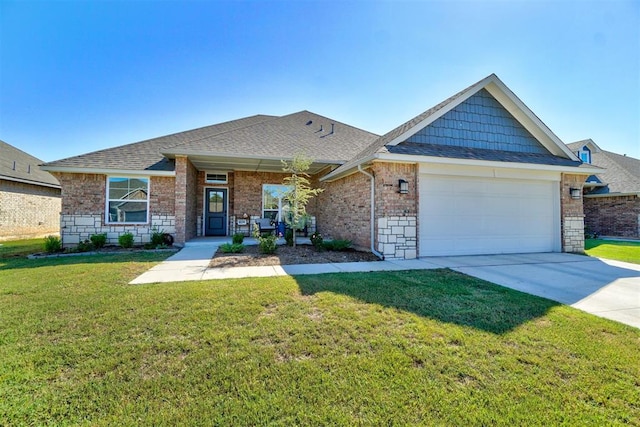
<point>266,225</point>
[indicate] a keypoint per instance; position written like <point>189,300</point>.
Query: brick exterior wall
<point>617,216</point>
<point>186,190</point>
<point>28,211</point>
<point>396,214</point>
<point>343,210</point>
<point>572,215</point>
<point>84,203</point>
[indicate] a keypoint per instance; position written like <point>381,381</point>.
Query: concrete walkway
<point>608,289</point>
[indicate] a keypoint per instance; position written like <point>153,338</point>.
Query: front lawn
<point>613,249</point>
<point>19,248</point>
<point>79,345</point>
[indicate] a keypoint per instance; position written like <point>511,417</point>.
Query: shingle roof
<point>318,137</point>
<point>379,145</point>
<point>621,174</point>
<point>16,165</point>
<point>435,150</point>
<point>146,155</point>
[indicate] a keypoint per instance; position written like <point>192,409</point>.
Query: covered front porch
<point>216,199</point>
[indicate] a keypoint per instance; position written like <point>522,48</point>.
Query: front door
<point>215,212</point>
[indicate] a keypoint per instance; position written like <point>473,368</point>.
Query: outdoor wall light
<point>576,193</point>
<point>404,186</point>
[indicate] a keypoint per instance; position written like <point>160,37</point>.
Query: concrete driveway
<point>609,289</point>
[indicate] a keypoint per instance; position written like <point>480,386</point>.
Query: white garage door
<point>473,215</point>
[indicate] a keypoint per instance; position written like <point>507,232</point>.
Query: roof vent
<point>309,122</point>
<point>14,165</point>
<point>28,168</point>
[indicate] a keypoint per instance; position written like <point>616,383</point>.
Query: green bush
<point>126,240</point>
<point>267,245</point>
<point>337,245</point>
<point>234,248</point>
<point>98,240</point>
<point>316,240</point>
<point>52,244</point>
<point>84,246</point>
<point>288,237</point>
<point>237,238</point>
<point>157,238</point>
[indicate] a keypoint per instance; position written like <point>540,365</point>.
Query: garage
<point>493,212</point>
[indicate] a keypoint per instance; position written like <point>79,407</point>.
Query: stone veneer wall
<point>28,211</point>
<point>396,214</point>
<point>397,237</point>
<point>572,215</point>
<point>617,216</point>
<point>83,209</point>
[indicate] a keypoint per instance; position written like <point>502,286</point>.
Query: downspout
<point>373,206</point>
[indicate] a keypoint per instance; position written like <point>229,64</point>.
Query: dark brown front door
<point>216,212</point>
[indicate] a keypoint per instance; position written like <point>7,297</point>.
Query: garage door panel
<point>463,215</point>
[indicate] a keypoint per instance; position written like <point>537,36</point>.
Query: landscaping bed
<point>286,255</point>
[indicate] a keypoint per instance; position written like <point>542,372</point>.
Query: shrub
<point>98,240</point>
<point>84,246</point>
<point>266,242</point>
<point>337,245</point>
<point>157,238</point>
<point>126,240</point>
<point>52,244</point>
<point>234,248</point>
<point>316,240</point>
<point>237,238</point>
<point>267,245</point>
<point>288,237</point>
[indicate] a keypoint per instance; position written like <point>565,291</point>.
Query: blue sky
<point>85,75</point>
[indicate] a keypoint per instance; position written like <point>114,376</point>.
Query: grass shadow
<point>443,295</point>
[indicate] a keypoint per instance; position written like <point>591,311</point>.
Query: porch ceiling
<point>213,163</point>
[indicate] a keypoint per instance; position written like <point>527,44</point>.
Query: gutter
<point>373,182</point>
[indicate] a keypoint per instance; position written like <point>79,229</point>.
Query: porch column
<point>186,186</point>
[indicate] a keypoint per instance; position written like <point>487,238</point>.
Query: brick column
<point>181,199</point>
<point>572,214</point>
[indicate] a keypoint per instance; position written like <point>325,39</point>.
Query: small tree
<point>300,190</point>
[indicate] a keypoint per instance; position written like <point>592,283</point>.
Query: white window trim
<point>279,214</point>
<point>216,181</point>
<point>107,200</point>
<point>587,153</point>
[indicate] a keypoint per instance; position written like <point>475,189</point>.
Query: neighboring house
<point>29,197</point>
<point>478,173</point>
<point>612,196</point>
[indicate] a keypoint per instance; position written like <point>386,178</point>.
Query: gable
<point>480,122</point>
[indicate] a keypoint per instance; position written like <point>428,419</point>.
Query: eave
<point>106,171</point>
<point>414,159</point>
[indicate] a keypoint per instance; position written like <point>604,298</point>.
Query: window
<point>584,155</point>
<point>273,204</point>
<point>127,200</point>
<point>216,178</point>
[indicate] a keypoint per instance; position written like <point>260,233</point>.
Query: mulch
<point>287,255</point>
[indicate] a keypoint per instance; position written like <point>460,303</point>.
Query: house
<point>612,196</point>
<point>478,173</point>
<point>29,197</point>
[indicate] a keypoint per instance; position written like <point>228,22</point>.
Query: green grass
<point>78,346</point>
<point>19,248</point>
<point>612,249</point>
